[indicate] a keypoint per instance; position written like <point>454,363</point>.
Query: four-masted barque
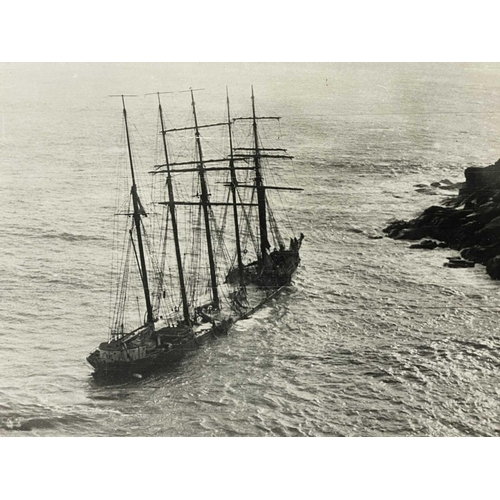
<point>206,269</point>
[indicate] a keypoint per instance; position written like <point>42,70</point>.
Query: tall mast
<point>261,192</point>
<point>205,204</point>
<point>185,308</point>
<point>137,221</point>
<point>234,183</point>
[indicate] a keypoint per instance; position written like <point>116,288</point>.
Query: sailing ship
<point>193,286</point>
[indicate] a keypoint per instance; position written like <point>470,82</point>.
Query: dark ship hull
<point>151,350</point>
<point>146,351</point>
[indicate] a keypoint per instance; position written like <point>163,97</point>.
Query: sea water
<point>372,338</point>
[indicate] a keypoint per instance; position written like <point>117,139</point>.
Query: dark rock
<point>439,215</point>
<point>444,224</point>
<point>478,178</point>
<point>453,187</point>
<point>481,254</point>
<point>487,212</point>
<point>395,227</point>
<point>445,184</point>
<point>490,233</point>
<point>427,190</point>
<point>457,262</point>
<point>493,267</point>
<point>466,234</point>
<point>412,233</point>
<point>426,244</point>
<point>468,221</point>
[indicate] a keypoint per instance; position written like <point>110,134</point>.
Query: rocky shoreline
<point>468,222</point>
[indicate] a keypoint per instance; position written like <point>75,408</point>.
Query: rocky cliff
<point>469,221</point>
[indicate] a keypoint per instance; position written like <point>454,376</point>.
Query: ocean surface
<point>372,339</point>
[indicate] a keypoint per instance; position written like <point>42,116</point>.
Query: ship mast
<point>205,202</point>
<point>234,184</point>
<point>185,307</point>
<point>261,191</point>
<point>137,222</point>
